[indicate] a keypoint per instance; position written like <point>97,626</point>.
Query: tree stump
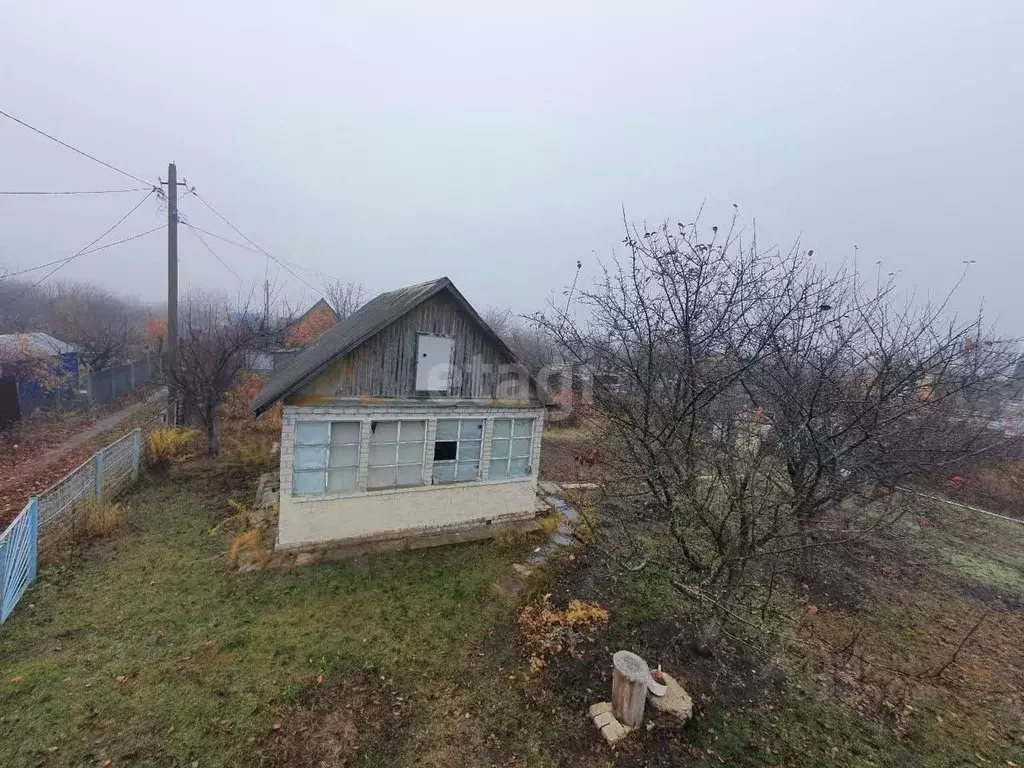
<point>629,688</point>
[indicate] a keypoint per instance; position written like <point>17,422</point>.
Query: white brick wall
<point>311,519</point>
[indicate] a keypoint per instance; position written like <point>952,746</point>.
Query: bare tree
<point>864,390</point>
<point>532,345</point>
<point>216,342</point>
<point>106,328</point>
<point>747,392</point>
<point>672,329</point>
<point>345,297</point>
<point>23,306</point>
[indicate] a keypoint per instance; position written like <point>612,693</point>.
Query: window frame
<point>507,460</point>
<point>398,442</point>
<point>459,440</point>
<point>327,446</point>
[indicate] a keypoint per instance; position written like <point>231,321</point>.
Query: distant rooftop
<point>38,343</point>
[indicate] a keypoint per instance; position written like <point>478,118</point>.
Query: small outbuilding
<point>410,416</point>
<point>36,371</point>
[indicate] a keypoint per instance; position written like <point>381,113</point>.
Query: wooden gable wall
<point>385,365</point>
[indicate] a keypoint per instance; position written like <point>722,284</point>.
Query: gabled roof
<point>37,343</point>
<point>347,334</point>
<point>299,336</point>
<point>322,303</point>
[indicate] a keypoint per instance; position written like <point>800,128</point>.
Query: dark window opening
<point>444,450</point>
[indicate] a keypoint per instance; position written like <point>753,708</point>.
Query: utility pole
<point>172,290</point>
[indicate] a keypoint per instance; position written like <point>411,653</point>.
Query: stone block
<point>600,707</point>
<point>676,702</point>
<point>603,719</point>
<point>614,732</point>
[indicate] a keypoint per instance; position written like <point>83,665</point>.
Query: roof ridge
<point>376,314</point>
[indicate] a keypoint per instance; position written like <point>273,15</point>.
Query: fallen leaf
<point>18,679</point>
<point>120,679</point>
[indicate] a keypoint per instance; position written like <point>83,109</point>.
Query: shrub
<point>101,518</point>
<point>253,452</point>
<point>238,399</point>
<point>167,444</point>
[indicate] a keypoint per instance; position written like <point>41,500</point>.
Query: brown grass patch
<point>166,445</point>
<point>102,518</point>
<point>546,631</point>
<point>339,723</point>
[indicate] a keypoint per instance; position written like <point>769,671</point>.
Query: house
<point>33,368</point>
<point>410,416</point>
<point>311,325</point>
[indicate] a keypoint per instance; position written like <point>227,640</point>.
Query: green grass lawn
<point>150,650</point>
<point>210,659</point>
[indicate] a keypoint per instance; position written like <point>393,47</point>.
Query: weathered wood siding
<point>385,365</point>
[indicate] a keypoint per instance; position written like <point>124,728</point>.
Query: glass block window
<point>511,449</point>
<point>396,453</point>
<point>457,450</point>
<point>326,457</point>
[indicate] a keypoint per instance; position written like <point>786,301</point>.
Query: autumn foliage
<point>20,360</point>
<point>546,631</point>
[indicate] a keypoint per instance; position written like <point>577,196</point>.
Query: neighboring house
<point>313,323</point>
<point>32,367</point>
<point>409,416</point>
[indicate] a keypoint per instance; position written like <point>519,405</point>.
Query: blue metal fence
<point>18,553</point>
<point>108,472</point>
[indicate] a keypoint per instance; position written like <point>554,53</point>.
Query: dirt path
<point>44,457</point>
<point>109,421</point>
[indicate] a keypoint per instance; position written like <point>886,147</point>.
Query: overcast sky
<point>389,144</point>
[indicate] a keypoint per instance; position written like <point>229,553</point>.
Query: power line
<point>254,245</point>
<point>227,240</point>
<point>81,252</point>
<point>81,192</point>
<point>324,275</point>
<point>76,150</point>
<point>195,232</point>
<point>86,253</point>
<point>243,246</point>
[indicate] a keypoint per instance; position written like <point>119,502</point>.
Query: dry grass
<point>248,548</point>
<point>546,631</point>
<point>236,410</point>
<point>997,486</point>
<point>548,523</point>
<point>102,518</point>
<point>166,445</point>
<point>252,451</point>
<point>244,439</point>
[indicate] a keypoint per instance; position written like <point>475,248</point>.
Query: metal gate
<point>18,557</point>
